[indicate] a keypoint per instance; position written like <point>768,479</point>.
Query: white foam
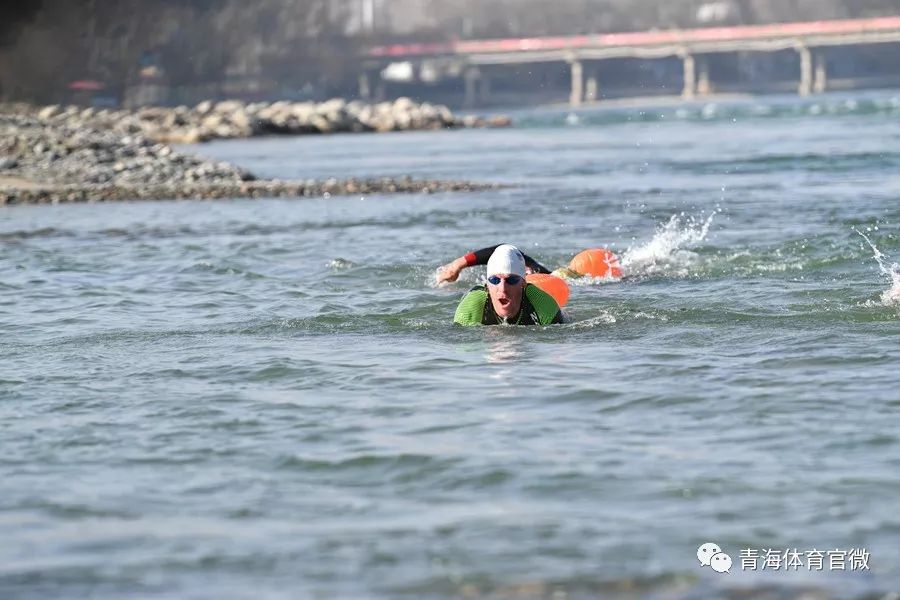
<point>890,297</point>
<point>467,278</point>
<point>587,280</point>
<point>339,264</point>
<point>604,318</point>
<point>668,249</point>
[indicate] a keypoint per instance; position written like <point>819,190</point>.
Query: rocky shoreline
<point>64,194</point>
<point>234,119</point>
<point>47,161</point>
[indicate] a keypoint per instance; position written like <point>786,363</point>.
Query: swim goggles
<point>510,279</point>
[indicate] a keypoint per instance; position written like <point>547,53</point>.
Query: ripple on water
<point>268,398</point>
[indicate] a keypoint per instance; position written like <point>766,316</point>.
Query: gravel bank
<point>251,189</point>
<point>235,119</point>
<point>43,162</point>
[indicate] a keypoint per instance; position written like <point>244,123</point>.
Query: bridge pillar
<point>471,76</point>
<point>365,88</point>
<point>806,71</point>
<point>484,90</point>
<point>577,94</point>
<point>591,88</point>
<point>703,86</point>
<point>690,77</point>
<point>820,78</point>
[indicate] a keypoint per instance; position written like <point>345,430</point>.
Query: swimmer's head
<point>506,280</point>
<point>506,260</point>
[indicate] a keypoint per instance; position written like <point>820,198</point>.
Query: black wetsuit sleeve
<point>480,257</point>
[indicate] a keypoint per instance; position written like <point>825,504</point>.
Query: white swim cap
<point>506,260</point>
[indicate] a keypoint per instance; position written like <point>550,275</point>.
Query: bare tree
<point>44,44</point>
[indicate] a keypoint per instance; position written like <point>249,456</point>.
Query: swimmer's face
<point>506,297</point>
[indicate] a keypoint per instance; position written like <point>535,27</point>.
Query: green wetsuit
<point>538,308</point>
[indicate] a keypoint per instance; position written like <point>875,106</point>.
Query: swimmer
<point>451,271</point>
<point>506,298</point>
<point>594,262</point>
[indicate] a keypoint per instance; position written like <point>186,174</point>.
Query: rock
<point>280,106</point>
<point>235,119</point>
<point>193,135</point>
<point>254,107</point>
<point>204,107</point>
<point>212,122</point>
<point>365,115</point>
<point>228,106</point>
<point>151,130</point>
<point>354,108</point>
<point>402,120</point>
<point>321,124</point>
<point>403,104</point>
<point>224,132</point>
<point>74,152</point>
<point>340,121</point>
<point>170,121</point>
<point>383,123</point>
<point>499,121</point>
<point>239,119</point>
<point>303,111</point>
<point>48,112</point>
<point>446,116</point>
<point>247,188</point>
<point>472,121</point>
<point>331,106</point>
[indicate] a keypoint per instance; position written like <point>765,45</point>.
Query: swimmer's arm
<point>451,271</point>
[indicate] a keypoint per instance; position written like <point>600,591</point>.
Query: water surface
<point>267,398</point>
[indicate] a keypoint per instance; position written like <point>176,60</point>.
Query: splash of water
<point>890,297</point>
<point>668,250</point>
<point>339,264</point>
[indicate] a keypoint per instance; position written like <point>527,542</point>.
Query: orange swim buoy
<point>551,284</point>
<point>596,262</point>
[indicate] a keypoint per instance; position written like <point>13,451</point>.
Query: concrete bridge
<point>691,45</point>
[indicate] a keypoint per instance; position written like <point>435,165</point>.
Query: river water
<point>266,398</point>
